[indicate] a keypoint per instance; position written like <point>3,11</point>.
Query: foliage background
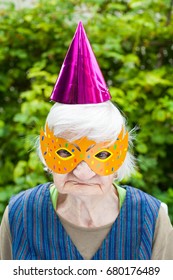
<point>132,41</point>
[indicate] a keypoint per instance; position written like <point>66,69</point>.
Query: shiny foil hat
<point>80,79</point>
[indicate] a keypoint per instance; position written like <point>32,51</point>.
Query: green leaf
<point>159,115</point>
<point>20,169</point>
<point>142,148</point>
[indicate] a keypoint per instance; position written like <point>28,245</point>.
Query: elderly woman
<point>83,213</point>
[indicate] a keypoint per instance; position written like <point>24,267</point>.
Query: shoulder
<point>29,192</point>
<point>5,238</point>
<point>25,198</point>
<point>141,195</point>
<point>4,223</point>
<point>23,206</point>
<point>163,237</point>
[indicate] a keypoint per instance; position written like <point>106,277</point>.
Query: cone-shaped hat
<point>80,79</point>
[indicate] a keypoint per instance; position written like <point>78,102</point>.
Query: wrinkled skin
<point>85,198</point>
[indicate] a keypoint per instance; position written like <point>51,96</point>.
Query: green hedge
<point>132,41</point>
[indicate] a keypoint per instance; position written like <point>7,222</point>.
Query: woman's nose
<point>83,171</point>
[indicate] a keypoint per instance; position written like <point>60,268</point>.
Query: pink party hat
<point>80,80</point>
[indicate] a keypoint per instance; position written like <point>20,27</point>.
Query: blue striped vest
<point>37,232</point>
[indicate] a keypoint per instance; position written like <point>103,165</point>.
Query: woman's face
<point>82,181</point>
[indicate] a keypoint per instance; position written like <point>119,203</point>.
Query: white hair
<point>99,122</point>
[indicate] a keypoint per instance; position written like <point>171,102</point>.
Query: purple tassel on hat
<point>80,80</point>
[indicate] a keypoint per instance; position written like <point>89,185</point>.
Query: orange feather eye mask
<point>62,156</point>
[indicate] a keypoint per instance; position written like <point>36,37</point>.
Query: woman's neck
<point>89,211</point>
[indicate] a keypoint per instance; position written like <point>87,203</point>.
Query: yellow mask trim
<point>50,144</point>
<point>105,159</point>
<point>64,158</point>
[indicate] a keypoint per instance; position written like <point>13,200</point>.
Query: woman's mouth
<point>82,183</point>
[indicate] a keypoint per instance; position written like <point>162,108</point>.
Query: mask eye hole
<point>103,155</point>
<point>63,153</point>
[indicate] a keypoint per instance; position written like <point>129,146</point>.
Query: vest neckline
<point>106,239</point>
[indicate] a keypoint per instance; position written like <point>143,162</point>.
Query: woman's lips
<point>82,183</point>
